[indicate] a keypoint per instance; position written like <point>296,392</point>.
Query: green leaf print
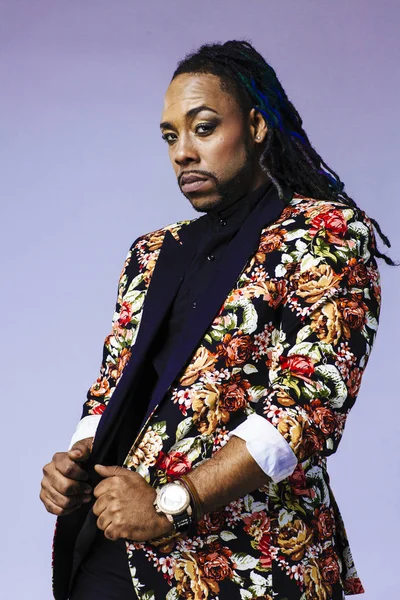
<point>244,561</point>
<point>331,375</point>
<point>148,596</point>
<point>256,392</point>
<point>303,334</point>
<point>172,594</point>
<point>227,536</point>
<point>321,248</point>
<point>250,319</point>
<point>183,428</point>
<point>159,428</point>
<point>306,349</point>
<point>250,369</point>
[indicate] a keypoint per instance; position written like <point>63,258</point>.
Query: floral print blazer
<point>290,342</point>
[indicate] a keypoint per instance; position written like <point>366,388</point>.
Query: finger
<point>56,510</point>
<point>69,468</point>
<point>108,471</point>
<point>68,487</point>
<point>111,533</point>
<point>65,502</point>
<point>104,520</point>
<point>102,488</point>
<point>80,451</point>
<point>101,505</point>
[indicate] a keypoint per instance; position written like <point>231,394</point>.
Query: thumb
<point>107,471</point>
<point>79,452</point>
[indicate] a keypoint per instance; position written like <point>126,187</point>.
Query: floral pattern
<point>290,343</point>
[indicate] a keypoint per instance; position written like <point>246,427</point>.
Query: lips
<point>192,183</point>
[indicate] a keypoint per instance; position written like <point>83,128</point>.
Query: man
<point>237,350</point>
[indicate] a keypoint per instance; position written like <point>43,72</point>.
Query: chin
<point>205,203</point>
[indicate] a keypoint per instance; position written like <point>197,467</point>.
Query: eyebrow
<point>190,113</point>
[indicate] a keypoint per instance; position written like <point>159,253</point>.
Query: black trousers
<point>104,574</point>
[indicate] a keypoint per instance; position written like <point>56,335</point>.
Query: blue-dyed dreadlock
<point>288,156</point>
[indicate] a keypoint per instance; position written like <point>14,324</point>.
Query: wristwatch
<point>173,501</point>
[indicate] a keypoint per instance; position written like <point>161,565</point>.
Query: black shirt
<point>217,229</point>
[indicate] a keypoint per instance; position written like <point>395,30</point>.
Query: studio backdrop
<point>84,171</point>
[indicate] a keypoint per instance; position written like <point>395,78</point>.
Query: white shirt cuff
<point>86,428</point>
<point>267,446</point>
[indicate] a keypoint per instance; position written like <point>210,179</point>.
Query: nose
<point>185,151</point>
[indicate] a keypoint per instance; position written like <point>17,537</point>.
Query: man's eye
<point>167,137</point>
<point>204,128</point>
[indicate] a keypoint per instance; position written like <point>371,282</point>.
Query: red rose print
<point>330,570</point>
<point>357,274</point>
<point>298,365</point>
<point>174,464</point>
<point>353,586</point>
<point>298,483</point>
<point>325,523</point>
<point>325,418</point>
<point>234,394</point>
<point>264,547</point>
<point>354,381</point>
<point>236,350</point>
<point>217,567</point>
<point>212,522</point>
<point>98,410</point>
<point>125,314</point>
<point>353,313</point>
<point>332,221</point>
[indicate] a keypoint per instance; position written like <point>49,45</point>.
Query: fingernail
<point>87,490</point>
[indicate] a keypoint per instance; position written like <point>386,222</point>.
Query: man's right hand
<point>64,487</point>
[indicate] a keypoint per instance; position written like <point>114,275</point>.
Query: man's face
<point>209,141</point>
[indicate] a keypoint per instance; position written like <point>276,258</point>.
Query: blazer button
<point>222,222</point>
<point>210,257</point>
<point>194,304</point>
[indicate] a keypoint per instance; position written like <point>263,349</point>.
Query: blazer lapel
<point>242,246</point>
<point>172,263</point>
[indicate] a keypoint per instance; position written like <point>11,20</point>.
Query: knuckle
<point>112,534</point>
<point>65,502</point>
<point>65,489</point>
<point>69,469</point>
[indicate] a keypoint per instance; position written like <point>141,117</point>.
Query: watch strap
<point>182,522</point>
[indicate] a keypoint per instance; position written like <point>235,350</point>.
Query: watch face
<point>173,498</point>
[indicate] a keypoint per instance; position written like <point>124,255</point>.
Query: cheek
<point>226,155</point>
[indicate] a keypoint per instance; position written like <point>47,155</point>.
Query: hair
<point>287,156</point>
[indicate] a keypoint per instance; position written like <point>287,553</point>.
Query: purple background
<point>84,171</point>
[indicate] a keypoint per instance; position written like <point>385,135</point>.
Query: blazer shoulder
<point>310,212</point>
<point>155,237</point>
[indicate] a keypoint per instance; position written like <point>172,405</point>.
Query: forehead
<point>190,90</point>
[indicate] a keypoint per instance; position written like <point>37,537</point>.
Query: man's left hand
<point>125,508</point>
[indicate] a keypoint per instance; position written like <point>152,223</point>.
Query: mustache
<point>197,172</point>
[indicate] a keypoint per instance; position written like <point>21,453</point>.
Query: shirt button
<point>194,304</point>
<point>222,222</point>
<point>210,257</point>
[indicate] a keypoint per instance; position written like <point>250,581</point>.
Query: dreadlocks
<point>288,156</point>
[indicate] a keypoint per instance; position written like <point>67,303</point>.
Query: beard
<point>229,191</point>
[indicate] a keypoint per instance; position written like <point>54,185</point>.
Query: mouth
<point>192,183</point>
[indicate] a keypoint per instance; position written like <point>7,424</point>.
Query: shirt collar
<point>237,212</point>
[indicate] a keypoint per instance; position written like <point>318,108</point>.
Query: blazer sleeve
<point>117,348</point>
<point>328,321</point>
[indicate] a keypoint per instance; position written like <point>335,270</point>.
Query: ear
<point>258,126</point>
